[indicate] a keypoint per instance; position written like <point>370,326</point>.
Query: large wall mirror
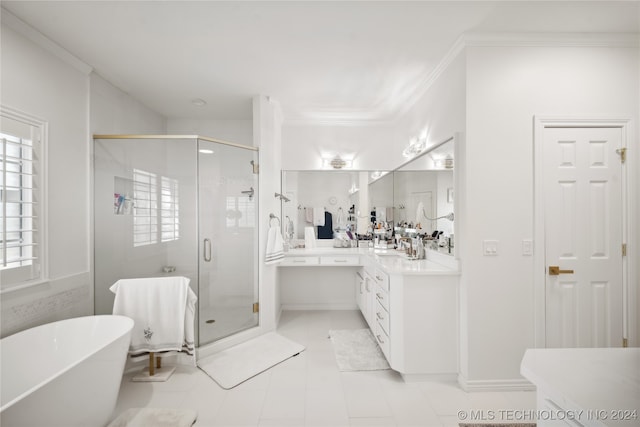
<point>424,197</point>
<point>414,200</point>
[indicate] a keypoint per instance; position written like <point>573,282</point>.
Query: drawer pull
<point>300,261</point>
<point>340,260</point>
<point>379,339</point>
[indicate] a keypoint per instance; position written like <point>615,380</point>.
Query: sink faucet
<point>410,240</point>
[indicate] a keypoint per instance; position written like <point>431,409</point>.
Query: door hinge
<point>256,307</point>
<point>256,167</point>
<point>625,343</point>
<point>624,249</point>
<point>623,154</point>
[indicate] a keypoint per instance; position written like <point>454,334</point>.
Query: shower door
<point>228,213</point>
<point>145,211</point>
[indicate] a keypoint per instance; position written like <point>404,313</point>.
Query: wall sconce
<point>378,174</point>
<point>443,162</point>
<point>337,163</point>
<point>416,146</point>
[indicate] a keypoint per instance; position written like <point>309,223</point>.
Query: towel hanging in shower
<point>163,311</point>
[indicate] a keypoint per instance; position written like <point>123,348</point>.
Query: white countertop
<point>390,260</point>
<point>605,381</point>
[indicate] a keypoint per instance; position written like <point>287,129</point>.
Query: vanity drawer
<point>382,279</point>
<point>299,261</point>
<point>383,339</point>
<point>338,260</point>
<point>382,317</point>
<point>382,297</point>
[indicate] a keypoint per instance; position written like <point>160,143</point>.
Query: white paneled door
<point>583,227</point>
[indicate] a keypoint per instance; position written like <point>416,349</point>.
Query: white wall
<point>115,112</point>
<point>267,125</point>
<point>506,87</point>
<point>440,112</point>
<point>237,131</point>
<point>368,144</point>
<point>39,83</point>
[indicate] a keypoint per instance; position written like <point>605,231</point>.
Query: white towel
<point>309,237</point>
<point>420,212</point>
<point>275,246</point>
<point>318,216</point>
<point>308,215</point>
<point>163,311</point>
<point>340,222</point>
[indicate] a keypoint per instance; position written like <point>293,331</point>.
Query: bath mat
<point>357,350</point>
<point>155,417</point>
<point>237,364</point>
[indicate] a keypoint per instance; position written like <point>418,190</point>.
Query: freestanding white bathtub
<point>65,373</point>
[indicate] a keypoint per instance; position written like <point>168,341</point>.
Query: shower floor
<point>227,316</point>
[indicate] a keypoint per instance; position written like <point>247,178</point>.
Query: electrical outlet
<point>490,247</point>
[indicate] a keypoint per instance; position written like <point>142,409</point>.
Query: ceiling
<point>352,60</point>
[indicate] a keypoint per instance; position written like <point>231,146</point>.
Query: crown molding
<point>552,39</point>
<point>9,20</point>
<point>380,116</point>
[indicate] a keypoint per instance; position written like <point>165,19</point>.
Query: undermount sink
<point>389,253</point>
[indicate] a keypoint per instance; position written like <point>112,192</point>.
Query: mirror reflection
<point>410,208</point>
<point>321,202</point>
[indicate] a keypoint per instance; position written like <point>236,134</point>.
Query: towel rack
<point>272,216</point>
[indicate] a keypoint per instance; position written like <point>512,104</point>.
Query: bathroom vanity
<point>411,306</point>
<point>585,387</point>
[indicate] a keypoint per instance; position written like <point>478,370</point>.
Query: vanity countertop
<point>390,260</point>
<point>602,382</point>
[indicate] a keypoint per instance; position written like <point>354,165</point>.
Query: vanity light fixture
<point>337,163</point>
<point>416,146</point>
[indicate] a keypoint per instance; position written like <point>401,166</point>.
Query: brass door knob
<point>554,270</point>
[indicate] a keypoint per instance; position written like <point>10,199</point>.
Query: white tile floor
<point>308,390</point>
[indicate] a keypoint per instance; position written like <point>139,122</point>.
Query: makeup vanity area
<point>410,305</point>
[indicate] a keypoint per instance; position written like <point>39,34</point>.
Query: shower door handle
<point>206,250</point>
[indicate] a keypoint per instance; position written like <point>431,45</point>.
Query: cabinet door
<point>360,292</point>
<point>370,301</point>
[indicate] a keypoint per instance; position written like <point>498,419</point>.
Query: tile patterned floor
<point>308,390</point>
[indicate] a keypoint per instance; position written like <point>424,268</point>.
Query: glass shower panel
<point>145,212</point>
<point>228,214</point>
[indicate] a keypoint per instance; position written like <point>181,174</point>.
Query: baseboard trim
<point>495,385</point>
<point>409,378</point>
<point>320,306</point>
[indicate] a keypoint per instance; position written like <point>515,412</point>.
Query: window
<point>156,208</point>
<point>240,212</point>
<point>21,196</point>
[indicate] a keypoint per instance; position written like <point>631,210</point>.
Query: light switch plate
<point>527,247</point>
<point>490,247</point>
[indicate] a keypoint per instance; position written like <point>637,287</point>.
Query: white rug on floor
<point>237,364</point>
<point>357,350</point>
<point>155,417</point>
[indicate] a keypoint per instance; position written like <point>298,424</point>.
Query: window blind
<point>19,233</point>
<point>156,216</point>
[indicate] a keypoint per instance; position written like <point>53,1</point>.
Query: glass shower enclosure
<point>169,205</point>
